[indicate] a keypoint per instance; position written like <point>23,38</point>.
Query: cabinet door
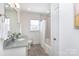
<point>16,52</point>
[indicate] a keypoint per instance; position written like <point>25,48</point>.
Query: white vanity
<point>16,48</point>
<point>21,51</point>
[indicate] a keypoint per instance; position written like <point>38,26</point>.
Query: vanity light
<point>14,5</point>
<point>17,5</point>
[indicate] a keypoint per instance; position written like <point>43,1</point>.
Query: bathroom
<point>23,25</point>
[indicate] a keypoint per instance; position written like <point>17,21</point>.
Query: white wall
<point>68,35</point>
<point>35,7</point>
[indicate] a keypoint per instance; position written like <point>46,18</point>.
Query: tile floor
<point>36,50</point>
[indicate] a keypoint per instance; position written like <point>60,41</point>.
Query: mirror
<point>11,19</point>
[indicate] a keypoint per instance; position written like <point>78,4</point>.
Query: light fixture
<point>14,5</point>
<point>17,5</point>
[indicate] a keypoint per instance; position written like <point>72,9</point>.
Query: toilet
<point>29,44</point>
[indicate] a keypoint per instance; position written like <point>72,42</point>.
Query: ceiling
<point>35,7</point>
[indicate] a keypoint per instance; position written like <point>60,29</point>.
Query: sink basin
<point>21,39</point>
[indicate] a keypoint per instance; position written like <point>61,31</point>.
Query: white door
<point>54,29</point>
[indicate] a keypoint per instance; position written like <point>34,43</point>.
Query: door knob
<point>54,39</point>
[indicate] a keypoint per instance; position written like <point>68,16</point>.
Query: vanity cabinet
<point>16,48</point>
<point>21,51</point>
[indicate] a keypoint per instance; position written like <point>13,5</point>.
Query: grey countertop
<point>15,44</point>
